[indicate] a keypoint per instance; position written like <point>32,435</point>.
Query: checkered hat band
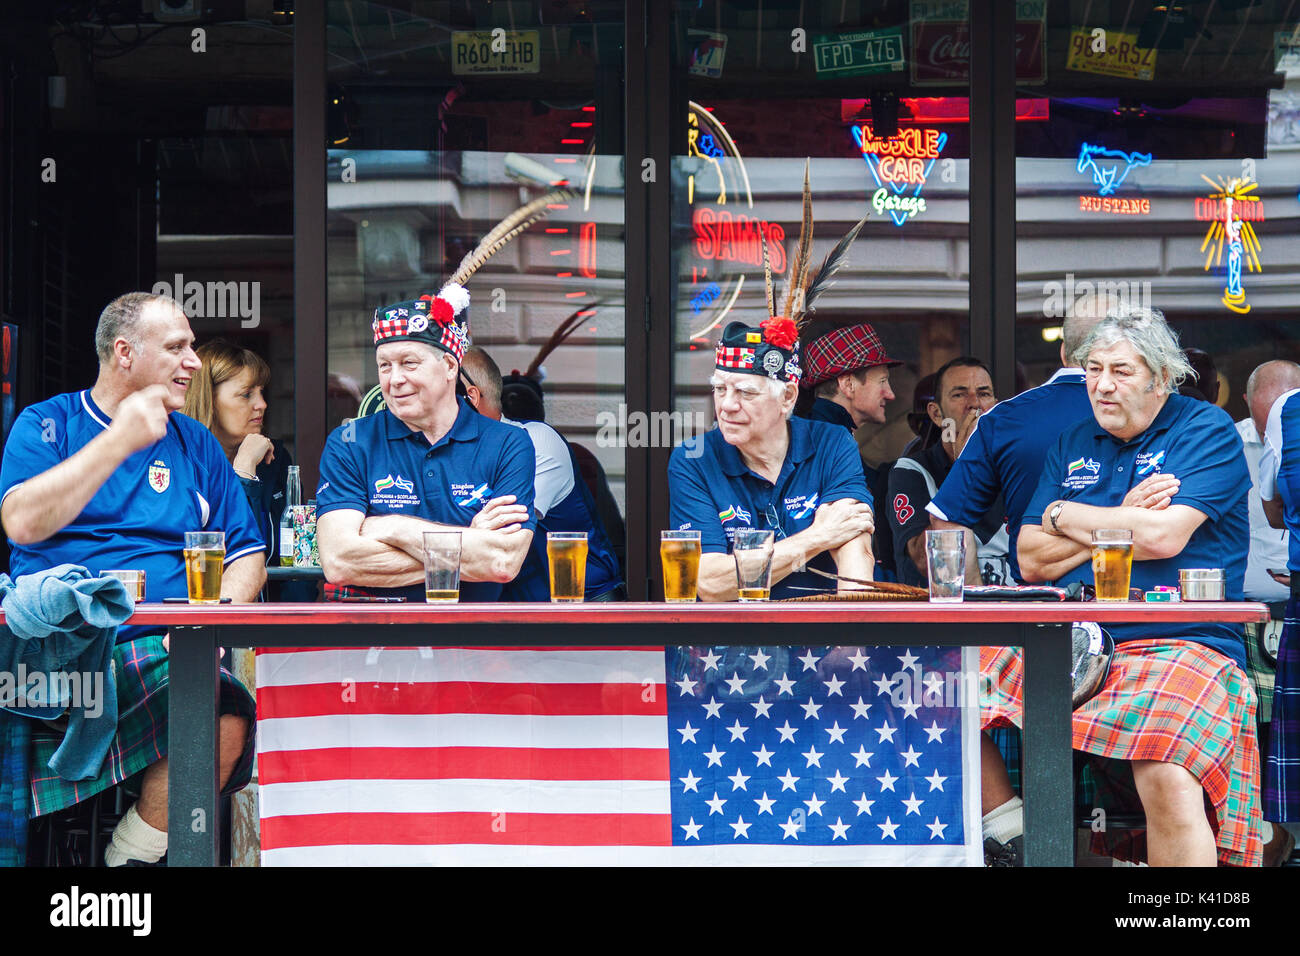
<point>452,338</point>
<point>731,357</point>
<point>389,328</point>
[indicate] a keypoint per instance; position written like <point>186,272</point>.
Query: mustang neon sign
<point>900,165</point>
<point>1109,167</point>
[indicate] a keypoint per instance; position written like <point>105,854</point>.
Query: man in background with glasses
<point>761,468</point>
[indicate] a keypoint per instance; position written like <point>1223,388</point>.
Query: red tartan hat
<point>849,349</point>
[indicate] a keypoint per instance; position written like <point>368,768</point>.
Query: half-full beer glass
<point>1112,563</point>
<point>205,554</point>
<point>679,552</point>
<point>566,553</point>
<point>752,549</point>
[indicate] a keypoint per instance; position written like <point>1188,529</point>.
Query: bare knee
<point>1171,796</point>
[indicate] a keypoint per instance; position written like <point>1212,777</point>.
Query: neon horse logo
<point>1114,166</point>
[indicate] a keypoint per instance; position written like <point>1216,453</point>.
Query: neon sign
<point>899,164</point>
<point>721,236</point>
<point>1109,167</point>
<point>1236,209</point>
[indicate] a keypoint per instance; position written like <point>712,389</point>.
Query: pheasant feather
<point>504,231</point>
<point>799,265</point>
<point>822,281</point>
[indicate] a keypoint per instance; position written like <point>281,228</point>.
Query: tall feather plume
<point>504,231</point>
<point>822,281</point>
<point>562,332</point>
<point>769,293</point>
<point>799,265</point>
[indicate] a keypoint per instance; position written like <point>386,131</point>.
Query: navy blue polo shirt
<point>1004,454</point>
<point>1197,443</point>
<point>713,491</point>
<point>139,516</point>
<point>824,410</point>
<point>379,466</point>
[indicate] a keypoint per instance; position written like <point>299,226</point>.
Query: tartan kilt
<point>1170,701</point>
<point>140,667</point>
<point>1281,796</point>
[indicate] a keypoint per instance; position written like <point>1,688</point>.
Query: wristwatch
<point>1055,513</point>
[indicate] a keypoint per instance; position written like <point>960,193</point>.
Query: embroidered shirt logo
<point>393,492</point>
<point>801,506</point>
<point>1149,462</point>
<point>1081,473</point>
<point>160,476</point>
<point>467,495</point>
<point>1084,464</point>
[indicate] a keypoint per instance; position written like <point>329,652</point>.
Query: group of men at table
<point>113,475</point>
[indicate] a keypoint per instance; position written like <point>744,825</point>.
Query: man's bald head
<point>1088,310</point>
<point>486,376</point>
<point>1265,384</point>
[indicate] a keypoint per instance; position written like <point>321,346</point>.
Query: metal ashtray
<point>1201,584</point>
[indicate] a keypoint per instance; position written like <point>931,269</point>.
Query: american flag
<point>678,755</point>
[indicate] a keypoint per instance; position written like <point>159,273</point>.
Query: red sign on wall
<point>941,52</point>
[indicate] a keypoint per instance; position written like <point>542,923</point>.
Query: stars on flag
<point>777,703</point>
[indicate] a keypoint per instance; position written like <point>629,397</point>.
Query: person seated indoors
<point>963,391</point>
<point>761,468</point>
<point>112,477</point>
<point>1175,708</point>
<point>228,396</point>
<point>561,499</point>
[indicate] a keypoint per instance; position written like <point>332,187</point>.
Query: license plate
<point>495,51</point>
<point>859,54</point>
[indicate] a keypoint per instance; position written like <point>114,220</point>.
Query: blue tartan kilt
<point>1281,792</point>
<point>140,667</point>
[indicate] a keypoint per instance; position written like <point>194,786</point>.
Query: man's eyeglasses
<point>772,520</point>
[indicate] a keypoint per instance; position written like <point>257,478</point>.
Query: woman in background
<point>227,395</point>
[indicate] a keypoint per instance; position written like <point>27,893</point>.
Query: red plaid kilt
<point>1171,701</point>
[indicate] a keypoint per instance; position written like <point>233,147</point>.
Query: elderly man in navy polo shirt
<point>760,468</point>
<point>1004,454</point>
<point>1176,704</point>
<point>425,462</point>
<point>113,477</point>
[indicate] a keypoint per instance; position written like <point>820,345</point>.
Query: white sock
<point>136,840</point>
<point>1005,822</point>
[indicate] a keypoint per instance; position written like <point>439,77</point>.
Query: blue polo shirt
<point>1279,467</point>
<point>1197,443</point>
<point>711,490</point>
<point>139,516</point>
<point>1004,454</point>
<point>379,466</point>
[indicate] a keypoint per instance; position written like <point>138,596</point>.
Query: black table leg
<point>193,823</point>
<point>1047,764</point>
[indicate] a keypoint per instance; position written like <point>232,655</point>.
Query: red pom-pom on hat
<point>441,311</point>
<point>779,331</point>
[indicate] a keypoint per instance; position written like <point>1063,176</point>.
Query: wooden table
<point>1043,630</point>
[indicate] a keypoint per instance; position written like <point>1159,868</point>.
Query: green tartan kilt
<point>140,668</point>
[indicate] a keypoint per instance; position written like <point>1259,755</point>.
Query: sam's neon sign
<point>719,235</point>
<point>900,165</point>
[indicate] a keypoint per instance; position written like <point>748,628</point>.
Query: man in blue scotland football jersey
<point>112,477</point>
<point>761,468</point>
<point>425,462</point>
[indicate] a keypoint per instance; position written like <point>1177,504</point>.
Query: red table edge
<point>1121,612</point>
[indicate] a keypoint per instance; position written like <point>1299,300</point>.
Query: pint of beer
<point>753,549</point>
<point>205,554</point>
<point>679,552</point>
<point>566,554</point>
<point>441,566</point>
<point>1112,563</point>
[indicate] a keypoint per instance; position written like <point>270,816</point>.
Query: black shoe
<point>1011,853</point>
<point>132,861</point>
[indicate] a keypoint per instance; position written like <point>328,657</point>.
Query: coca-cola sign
<point>941,52</point>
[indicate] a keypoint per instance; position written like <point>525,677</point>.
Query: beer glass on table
<point>133,581</point>
<point>945,565</point>
<point>1112,563</point>
<point>441,566</point>
<point>205,555</point>
<point>753,550</point>
<point>566,554</point>
<point>679,552</point>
